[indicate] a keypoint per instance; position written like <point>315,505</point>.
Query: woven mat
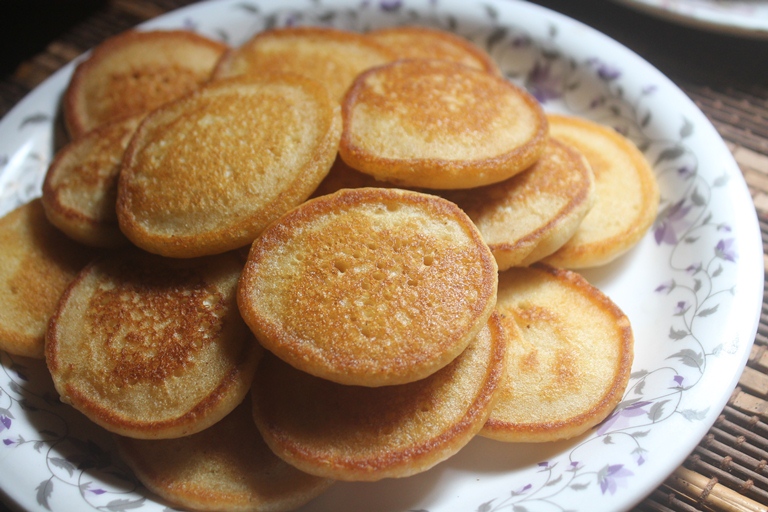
<point>726,77</point>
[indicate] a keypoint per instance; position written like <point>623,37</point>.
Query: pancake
<point>627,195</point>
<point>366,434</point>
<point>522,219</point>
<point>439,124</point>
<point>135,72</point>
<point>150,347</point>
<point>331,56</point>
<point>225,467</point>
<point>36,264</point>
<point>418,42</point>
<point>569,356</point>
<point>207,173</point>
<point>531,215</point>
<point>80,187</point>
<point>369,287</point>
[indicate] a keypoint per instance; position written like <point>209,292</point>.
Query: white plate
<point>692,288</point>
<point>746,18</point>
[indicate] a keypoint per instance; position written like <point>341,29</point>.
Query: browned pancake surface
<point>152,348</point>
<point>439,124</point>
<point>135,72</point>
<point>532,214</point>
<point>207,173</point>
<point>369,286</point>
<point>331,56</point>
<point>570,353</point>
<point>80,187</point>
<point>37,262</point>
<point>419,42</point>
<point>361,433</point>
<point>626,194</point>
<point>225,467</point>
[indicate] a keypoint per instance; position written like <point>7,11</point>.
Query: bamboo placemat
<point>726,77</point>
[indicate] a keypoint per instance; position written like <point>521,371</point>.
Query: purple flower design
<point>694,268</point>
<point>725,249</point>
<point>612,477</point>
<point>605,71</point>
<point>678,380</point>
<point>5,423</point>
<point>390,5</point>
<point>8,442</point>
<point>621,417</point>
<point>667,286</point>
<point>681,308</point>
<point>686,172</point>
<point>542,84</point>
<point>97,491</point>
<point>670,222</point>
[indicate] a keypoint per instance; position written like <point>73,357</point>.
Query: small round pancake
<point>80,187</point>
<point>418,42</point>
<point>366,434</point>
<point>225,467</point>
<point>369,286</point>
<point>151,347</point>
<point>532,214</point>
<point>37,263</point>
<point>135,72</point>
<point>627,195</point>
<point>439,124</point>
<point>331,56</point>
<point>207,173</point>
<point>569,356</point>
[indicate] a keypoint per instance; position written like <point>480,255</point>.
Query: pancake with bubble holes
<point>626,199</point>
<point>207,173</point>
<point>224,467</point>
<point>569,356</point>
<point>369,286</point>
<point>80,187</point>
<point>439,124</point>
<point>522,219</point>
<point>37,263</point>
<point>420,42</point>
<point>366,434</point>
<point>150,347</point>
<point>134,72</point>
<point>333,57</point>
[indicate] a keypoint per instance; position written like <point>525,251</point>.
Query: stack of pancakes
<point>350,251</point>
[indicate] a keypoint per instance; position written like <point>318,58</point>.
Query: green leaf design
<point>693,415</point>
<point>669,154</point>
<point>123,504</point>
<point>687,129</point>
<point>689,357</point>
<point>44,491</point>
<point>657,411</point>
<point>63,464</point>
<point>677,335</point>
<point>707,311</point>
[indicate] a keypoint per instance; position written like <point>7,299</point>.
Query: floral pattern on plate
<point>692,288</point>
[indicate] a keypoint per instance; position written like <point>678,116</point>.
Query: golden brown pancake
<point>225,467</point>
<point>362,433</point>
<point>207,173</point>
<point>135,72</point>
<point>439,124</point>
<point>569,356</point>
<point>37,262</point>
<point>522,219</point>
<point>369,286</point>
<point>418,42</point>
<point>80,187</point>
<point>331,56</point>
<point>627,195</point>
<point>532,214</point>
<point>151,347</point>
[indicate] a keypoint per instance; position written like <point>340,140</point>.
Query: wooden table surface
<point>726,76</point>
